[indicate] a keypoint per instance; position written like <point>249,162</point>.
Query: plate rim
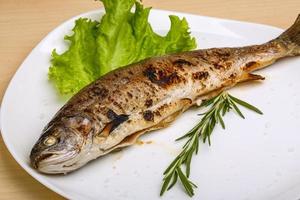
<point>37,176</point>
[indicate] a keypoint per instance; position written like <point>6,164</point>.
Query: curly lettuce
<point>120,38</point>
<point>76,67</point>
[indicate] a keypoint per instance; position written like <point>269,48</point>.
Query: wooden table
<point>23,23</point>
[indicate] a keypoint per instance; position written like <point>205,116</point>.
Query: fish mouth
<point>36,160</point>
<point>53,163</point>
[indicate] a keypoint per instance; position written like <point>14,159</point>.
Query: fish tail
<point>291,38</point>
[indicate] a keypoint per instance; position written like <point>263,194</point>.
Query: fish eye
<point>49,141</point>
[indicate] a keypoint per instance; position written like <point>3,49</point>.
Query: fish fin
<point>291,38</point>
<point>250,77</point>
<point>200,99</point>
<point>131,139</point>
<point>167,121</point>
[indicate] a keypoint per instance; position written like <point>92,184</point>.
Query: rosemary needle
<point>219,106</point>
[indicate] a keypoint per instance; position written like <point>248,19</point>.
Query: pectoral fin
<point>250,77</point>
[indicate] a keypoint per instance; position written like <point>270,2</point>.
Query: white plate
<point>256,158</point>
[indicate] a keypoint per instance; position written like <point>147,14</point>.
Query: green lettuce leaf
<point>76,67</point>
<point>122,37</point>
<point>127,37</point>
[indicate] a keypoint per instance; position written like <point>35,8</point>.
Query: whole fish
<point>116,109</point>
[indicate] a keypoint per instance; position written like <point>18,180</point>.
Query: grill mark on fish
<point>200,75</point>
<point>162,107</point>
<point>130,72</point>
<point>98,91</point>
<point>233,76</point>
<point>180,63</point>
<point>228,64</point>
<point>249,65</point>
<point>118,105</point>
<point>148,115</point>
<point>157,113</point>
<point>150,85</point>
<point>148,103</point>
<point>220,59</point>
<point>129,95</point>
<point>162,76</point>
<point>223,55</point>
<point>201,56</point>
<point>218,66</point>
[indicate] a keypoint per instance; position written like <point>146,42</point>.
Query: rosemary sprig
<point>219,106</point>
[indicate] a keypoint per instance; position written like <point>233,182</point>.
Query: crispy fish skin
<point>115,110</point>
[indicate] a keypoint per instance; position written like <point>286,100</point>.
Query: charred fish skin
<point>116,109</point>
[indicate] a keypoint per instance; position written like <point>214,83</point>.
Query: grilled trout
<point>113,111</point>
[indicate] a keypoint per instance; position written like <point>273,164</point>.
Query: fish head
<point>63,145</point>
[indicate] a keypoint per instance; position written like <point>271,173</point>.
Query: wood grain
<point>23,23</point>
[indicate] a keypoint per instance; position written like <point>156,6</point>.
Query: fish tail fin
<point>291,38</point>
